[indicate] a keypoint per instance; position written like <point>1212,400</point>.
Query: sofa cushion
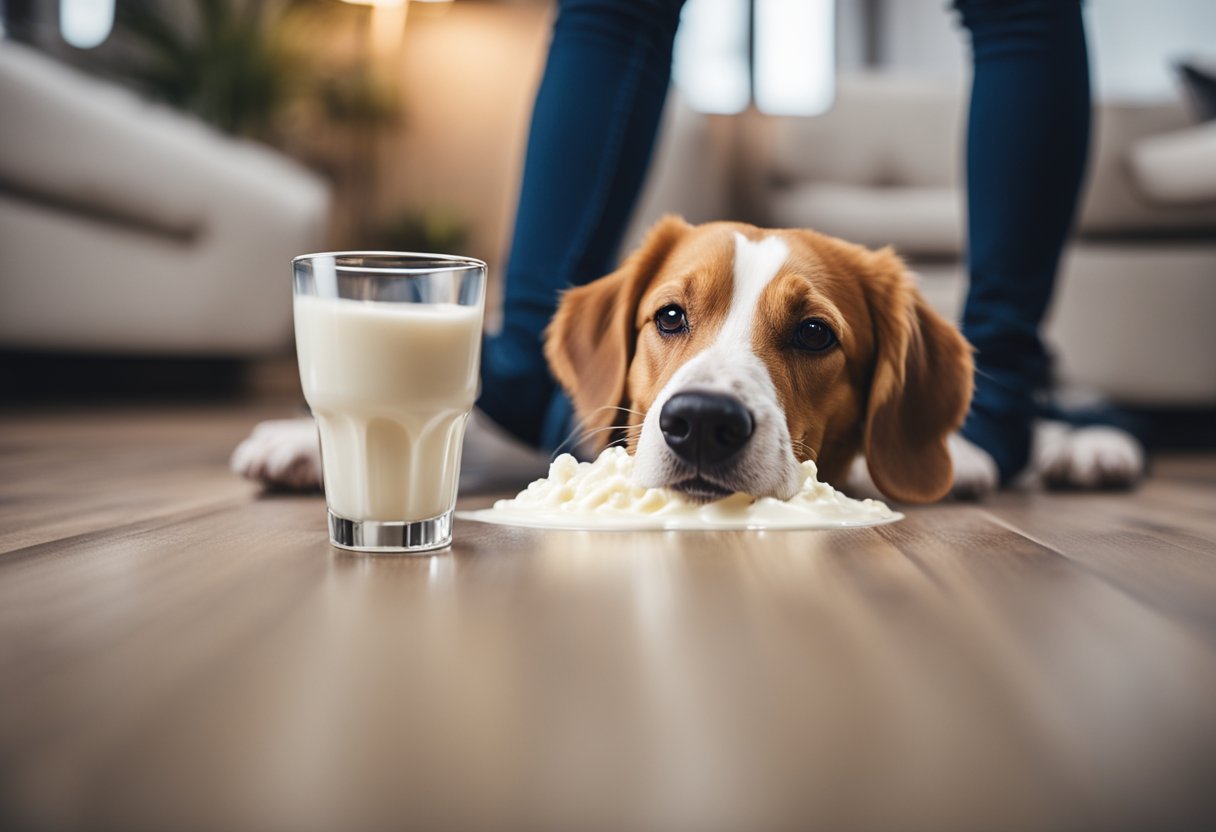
<point>1177,168</point>
<point>881,130</point>
<point>1115,202</point>
<point>916,221</point>
<point>896,132</point>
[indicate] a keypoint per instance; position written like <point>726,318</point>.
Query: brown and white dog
<point>729,354</point>
<point>724,354</point>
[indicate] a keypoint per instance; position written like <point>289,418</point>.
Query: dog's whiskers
<point>798,446</point>
<point>628,431</point>
<point>577,433</point>
<point>581,434</point>
<point>621,409</point>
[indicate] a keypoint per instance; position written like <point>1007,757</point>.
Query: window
<point>86,23</point>
<point>779,53</point>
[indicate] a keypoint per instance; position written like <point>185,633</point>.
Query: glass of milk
<point>389,345</point>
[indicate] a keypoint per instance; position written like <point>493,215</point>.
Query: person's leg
<point>1027,143</point>
<point>593,129</point>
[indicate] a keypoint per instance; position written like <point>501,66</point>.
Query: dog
<point>723,355</point>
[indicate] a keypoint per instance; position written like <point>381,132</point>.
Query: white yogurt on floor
<point>602,495</point>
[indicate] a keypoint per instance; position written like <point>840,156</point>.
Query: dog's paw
<point>975,471</point>
<point>1089,457</point>
<point>283,452</point>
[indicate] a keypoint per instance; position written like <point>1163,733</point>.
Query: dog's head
<point>728,354</point>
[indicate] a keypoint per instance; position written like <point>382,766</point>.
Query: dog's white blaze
<point>756,264</point>
<point>767,466</point>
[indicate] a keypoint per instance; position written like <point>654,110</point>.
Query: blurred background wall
<point>327,124</point>
<point>465,73</point>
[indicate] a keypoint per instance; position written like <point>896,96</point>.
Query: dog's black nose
<point>704,428</point>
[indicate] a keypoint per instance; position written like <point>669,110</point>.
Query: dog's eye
<point>671,320</point>
<point>813,335</point>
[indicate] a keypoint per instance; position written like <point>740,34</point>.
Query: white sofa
<point>1137,290</point>
<point>130,229</point>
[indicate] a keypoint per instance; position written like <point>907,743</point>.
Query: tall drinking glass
<point>389,345</point>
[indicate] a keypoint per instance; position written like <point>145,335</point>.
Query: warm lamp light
<point>392,2</point>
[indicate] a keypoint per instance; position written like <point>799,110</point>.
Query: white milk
<point>391,386</point>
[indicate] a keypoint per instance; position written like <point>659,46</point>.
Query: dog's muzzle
<point>704,428</point>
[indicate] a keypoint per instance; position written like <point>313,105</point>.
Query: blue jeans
<point>1027,143</point>
<point>593,129</point>
<point>592,136</point>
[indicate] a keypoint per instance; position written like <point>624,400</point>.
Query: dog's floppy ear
<point>920,391</point>
<point>591,340</point>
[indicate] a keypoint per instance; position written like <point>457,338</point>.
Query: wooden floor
<point>179,652</point>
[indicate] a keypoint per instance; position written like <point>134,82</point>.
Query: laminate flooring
<point>179,651</point>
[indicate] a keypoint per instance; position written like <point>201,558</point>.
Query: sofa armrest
<point>1176,168</point>
<point>91,147</point>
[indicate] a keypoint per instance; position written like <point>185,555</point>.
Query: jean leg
<point>592,134</point>
<point>1027,143</point>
